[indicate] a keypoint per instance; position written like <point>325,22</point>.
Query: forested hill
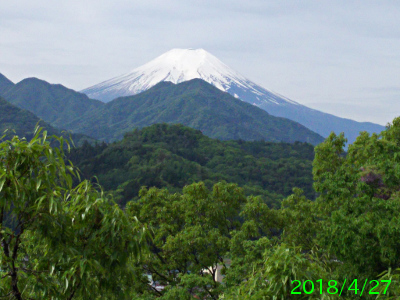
<point>54,103</point>
<point>193,103</point>
<point>173,156</point>
<point>23,123</point>
<point>5,84</point>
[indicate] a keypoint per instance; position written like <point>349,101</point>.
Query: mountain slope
<point>193,103</point>
<point>323,123</point>
<point>53,103</point>
<point>22,123</point>
<point>179,65</point>
<point>5,84</point>
<point>176,66</point>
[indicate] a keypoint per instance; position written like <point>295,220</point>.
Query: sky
<point>340,57</point>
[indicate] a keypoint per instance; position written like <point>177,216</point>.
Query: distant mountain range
<point>179,65</point>
<point>207,96</point>
<point>5,84</point>
<point>22,123</point>
<point>53,103</point>
<point>193,103</point>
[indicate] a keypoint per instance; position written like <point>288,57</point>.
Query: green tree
<point>275,275</point>
<point>351,231</point>
<point>173,156</point>
<point>59,241</point>
<point>192,231</point>
<point>359,200</point>
<point>275,247</point>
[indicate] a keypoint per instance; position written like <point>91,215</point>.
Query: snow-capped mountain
<point>179,65</point>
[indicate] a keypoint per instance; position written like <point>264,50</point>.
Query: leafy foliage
<point>359,195</point>
<point>76,243</point>
<point>59,242</point>
<point>191,237</point>
<point>280,267</point>
<point>350,231</point>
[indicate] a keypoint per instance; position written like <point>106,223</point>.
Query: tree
<point>273,248</point>
<point>351,231</point>
<point>274,276</point>
<point>359,200</point>
<point>59,241</point>
<point>191,237</point>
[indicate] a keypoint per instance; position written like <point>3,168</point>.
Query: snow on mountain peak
<point>179,65</point>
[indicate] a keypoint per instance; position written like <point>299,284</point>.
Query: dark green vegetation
<point>53,103</point>
<point>72,243</point>
<point>196,104</point>
<point>56,241</point>
<point>173,156</point>
<point>64,108</point>
<point>5,84</point>
<point>192,234</point>
<point>351,231</point>
<point>22,123</point>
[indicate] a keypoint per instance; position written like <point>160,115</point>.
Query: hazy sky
<point>342,57</point>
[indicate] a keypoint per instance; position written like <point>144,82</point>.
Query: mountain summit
<point>5,84</point>
<point>179,65</point>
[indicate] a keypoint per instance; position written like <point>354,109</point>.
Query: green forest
<point>172,156</point>
<point>159,213</point>
<point>21,122</point>
<point>195,103</point>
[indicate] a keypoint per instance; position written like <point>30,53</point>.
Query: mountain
<point>23,122</point>
<point>193,103</point>
<point>53,103</point>
<point>172,156</point>
<point>321,122</point>
<point>179,65</point>
<point>5,84</point>
<point>176,66</point>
